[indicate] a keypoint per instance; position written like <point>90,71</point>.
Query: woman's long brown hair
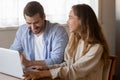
<point>90,31</point>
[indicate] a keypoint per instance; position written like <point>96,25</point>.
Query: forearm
<point>42,75</point>
<point>37,63</point>
<point>28,63</point>
<point>46,74</point>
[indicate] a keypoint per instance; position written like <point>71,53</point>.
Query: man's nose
<point>32,25</point>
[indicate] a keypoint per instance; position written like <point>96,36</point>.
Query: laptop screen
<point>10,63</point>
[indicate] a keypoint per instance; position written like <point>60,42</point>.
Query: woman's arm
<point>31,75</point>
<point>82,66</point>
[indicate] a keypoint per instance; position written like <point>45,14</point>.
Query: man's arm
<point>17,41</point>
<point>59,43</point>
<point>28,63</point>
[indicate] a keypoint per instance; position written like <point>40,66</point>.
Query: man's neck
<point>42,31</point>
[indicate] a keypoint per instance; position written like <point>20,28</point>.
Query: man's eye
<point>29,23</point>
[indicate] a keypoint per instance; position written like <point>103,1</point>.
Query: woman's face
<point>73,22</point>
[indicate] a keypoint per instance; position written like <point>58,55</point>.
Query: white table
<point>7,77</point>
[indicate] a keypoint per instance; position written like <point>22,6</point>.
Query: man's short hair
<point>33,8</point>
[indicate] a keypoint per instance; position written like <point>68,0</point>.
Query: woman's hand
<point>35,75</point>
<point>31,75</point>
<point>40,67</point>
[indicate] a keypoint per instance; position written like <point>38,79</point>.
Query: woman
<point>87,51</point>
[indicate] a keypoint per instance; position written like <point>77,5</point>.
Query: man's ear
<point>44,17</point>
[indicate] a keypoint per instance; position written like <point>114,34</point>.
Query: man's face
<point>35,23</point>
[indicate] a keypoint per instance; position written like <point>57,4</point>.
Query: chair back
<point>109,72</point>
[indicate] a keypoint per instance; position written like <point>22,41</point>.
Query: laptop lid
<point>10,63</point>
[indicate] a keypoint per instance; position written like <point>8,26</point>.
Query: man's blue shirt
<point>55,41</point>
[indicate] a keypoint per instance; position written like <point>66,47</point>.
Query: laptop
<point>10,63</point>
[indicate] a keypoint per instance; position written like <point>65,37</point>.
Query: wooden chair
<point>109,72</point>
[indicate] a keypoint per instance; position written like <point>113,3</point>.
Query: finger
<point>46,67</point>
<point>26,73</point>
<point>35,78</point>
<point>27,78</point>
<point>37,67</point>
<point>21,56</point>
<point>33,67</point>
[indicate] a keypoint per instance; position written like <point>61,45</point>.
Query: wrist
<point>28,64</point>
<point>38,63</point>
<point>45,73</point>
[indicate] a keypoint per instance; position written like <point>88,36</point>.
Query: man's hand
<point>25,62</point>
<point>28,63</point>
<point>40,67</point>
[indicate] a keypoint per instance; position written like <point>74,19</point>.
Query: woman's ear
<point>80,23</point>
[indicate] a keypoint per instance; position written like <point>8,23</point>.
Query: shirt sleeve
<point>83,66</point>
<point>59,43</point>
<point>57,65</point>
<point>17,41</point>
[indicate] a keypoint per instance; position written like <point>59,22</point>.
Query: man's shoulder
<point>51,24</point>
<point>56,26</point>
<point>23,26</point>
<point>23,30</point>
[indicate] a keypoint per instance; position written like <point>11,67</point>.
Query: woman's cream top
<point>87,67</point>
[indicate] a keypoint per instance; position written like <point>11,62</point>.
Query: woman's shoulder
<point>97,47</point>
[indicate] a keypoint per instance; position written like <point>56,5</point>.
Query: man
<point>38,41</point>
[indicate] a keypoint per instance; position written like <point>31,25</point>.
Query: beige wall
<point>107,19</point>
<point>7,36</point>
<point>110,19</point>
<point>118,38</point>
<point>118,26</point>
